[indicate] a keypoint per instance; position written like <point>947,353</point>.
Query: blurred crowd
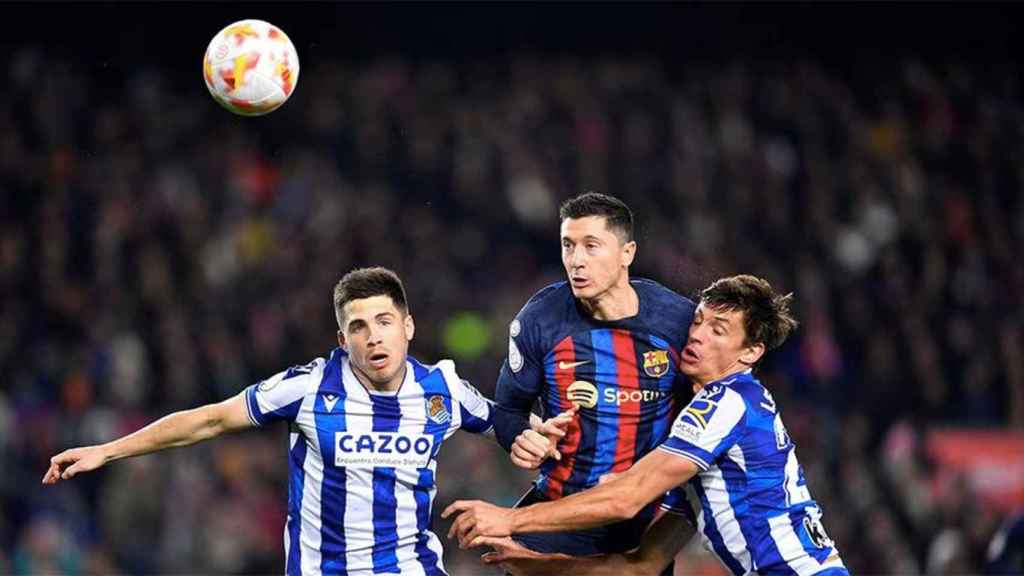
<point>158,253</point>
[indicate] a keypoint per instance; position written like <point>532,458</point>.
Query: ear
<point>341,340</point>
<point>410,327</point>
<point>628,253</point>
<point>751,354</point>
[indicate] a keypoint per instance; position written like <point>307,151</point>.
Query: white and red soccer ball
<point>251,67</point>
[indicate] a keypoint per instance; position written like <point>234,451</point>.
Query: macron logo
<point>330,400</point>
<point>563,365</point>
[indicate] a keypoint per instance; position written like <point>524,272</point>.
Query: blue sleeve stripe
<point>692,457</point>
<point>252,406</point>
<point>473,423</point>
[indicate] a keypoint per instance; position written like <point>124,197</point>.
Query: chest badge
<point>656,363</point>
<point>436,411</point>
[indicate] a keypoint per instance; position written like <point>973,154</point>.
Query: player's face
<point>715,347</point>
<point>376,336</point>
<point>594,257</point>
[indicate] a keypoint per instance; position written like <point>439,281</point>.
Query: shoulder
<point>298,377</point>
<point>662,296</point>
<point>444,368</point>
<point>544,300</point>
<point>747,388</point>
<point>315,367</point>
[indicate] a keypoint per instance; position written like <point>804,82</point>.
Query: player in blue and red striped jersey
<point>606,344</point>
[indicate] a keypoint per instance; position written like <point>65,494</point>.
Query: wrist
<point>517,519</point>
<point>109,452</point>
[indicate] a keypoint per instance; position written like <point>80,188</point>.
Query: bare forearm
<point>174,430</point>
<point>601,505</point>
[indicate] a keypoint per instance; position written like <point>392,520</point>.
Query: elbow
<point>637,565</point>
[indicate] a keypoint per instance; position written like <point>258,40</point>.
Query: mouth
<point>689,356</point>
<point>579,281</point>
<point>378,360</point>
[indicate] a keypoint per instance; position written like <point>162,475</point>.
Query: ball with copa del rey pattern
<point>251,67</point>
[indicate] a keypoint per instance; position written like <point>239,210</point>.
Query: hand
<point>531,448</point>
<point>68,463</point>
<point>516,559</point>
<point>534,445</point>
<point>476,519</point>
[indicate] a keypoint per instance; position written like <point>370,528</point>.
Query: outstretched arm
<point>662,541</point>
<point>618,499</point>
<point>177,429</point>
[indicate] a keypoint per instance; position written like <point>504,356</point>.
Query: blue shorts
<point>611,539</point>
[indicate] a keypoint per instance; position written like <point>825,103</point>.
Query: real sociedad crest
<point>656,363</point>
<point>436,410</point>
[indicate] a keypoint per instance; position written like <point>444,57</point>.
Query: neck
<point>618,302</point>
<point>389,386</point>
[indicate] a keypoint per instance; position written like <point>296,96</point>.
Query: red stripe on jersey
<point>629,409</point>
<point>565,355</point>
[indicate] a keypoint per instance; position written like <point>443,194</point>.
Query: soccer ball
<point>251,67</point>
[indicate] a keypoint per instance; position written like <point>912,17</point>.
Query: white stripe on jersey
<point>795,494</point>
<point>405,499</point>
<point>313,468</point>
<point>792,549</point>
<point>358,481</point>
<point>735,454</point>
<point>725,517</point>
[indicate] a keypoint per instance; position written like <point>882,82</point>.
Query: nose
<point>577,257</point>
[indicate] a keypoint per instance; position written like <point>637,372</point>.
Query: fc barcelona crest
<point>656,363</point>
<point>436,411</point>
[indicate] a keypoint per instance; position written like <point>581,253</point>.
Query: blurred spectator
<point>154,261</point>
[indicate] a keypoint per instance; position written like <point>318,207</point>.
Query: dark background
<point>158,253</point>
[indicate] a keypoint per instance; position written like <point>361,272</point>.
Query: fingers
<point>570,412</point>
<point>52,474</point>
<point>458,506</point>
<point>533,443</point>
<point>523,461</point>
<point>531,448</point>
<point>71,471</point>
<point>502,546</point>
<point>492,558</point>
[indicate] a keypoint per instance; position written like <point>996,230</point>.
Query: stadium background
<point>157,252</point>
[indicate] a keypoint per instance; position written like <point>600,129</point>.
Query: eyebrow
<point>722,320</point>
<point>584,239</point>
<point>356,321</point>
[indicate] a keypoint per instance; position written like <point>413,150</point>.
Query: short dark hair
<point>365,283</point>
<point>766,316</point>
<point>618,216</point>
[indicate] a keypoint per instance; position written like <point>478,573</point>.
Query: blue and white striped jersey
<point>362,465</point>
<point>749,501</point>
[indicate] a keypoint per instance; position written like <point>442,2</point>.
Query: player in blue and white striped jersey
<point>729,462</point>
<point>366,426</point>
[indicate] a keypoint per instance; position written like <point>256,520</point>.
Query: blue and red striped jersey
<point>623,374</point>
